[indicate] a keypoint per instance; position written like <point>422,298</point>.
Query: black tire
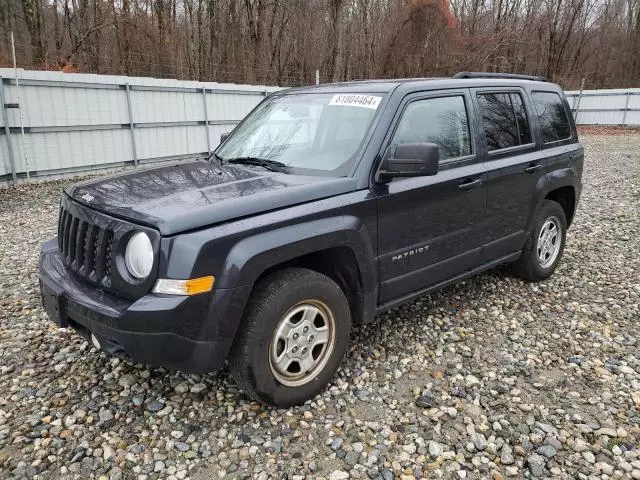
<point>529,266</point>
<point>271,300</point>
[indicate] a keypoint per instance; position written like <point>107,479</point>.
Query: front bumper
<point>191,334</point>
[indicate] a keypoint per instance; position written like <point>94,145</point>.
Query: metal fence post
<point>206,119</point>
<point>7,131</point>
<point>131,127</point>
<point>575,117</point>
<point>626,108</point>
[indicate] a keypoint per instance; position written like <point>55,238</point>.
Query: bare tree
<point>285,41</point>
<point>33,18</point>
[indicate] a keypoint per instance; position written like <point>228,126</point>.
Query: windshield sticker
<point>364,101</point>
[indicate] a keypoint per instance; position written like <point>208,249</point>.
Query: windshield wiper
<point>272,165</point>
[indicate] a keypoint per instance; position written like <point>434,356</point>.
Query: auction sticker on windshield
<point>364,101</point>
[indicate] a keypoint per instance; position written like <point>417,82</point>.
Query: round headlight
<point>138,257</point>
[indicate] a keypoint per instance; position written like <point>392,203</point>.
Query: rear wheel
<point>294,336</point>
<point>545,244</point>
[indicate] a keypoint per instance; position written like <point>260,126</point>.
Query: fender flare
<point>565,177</point>
<point>251,256</point>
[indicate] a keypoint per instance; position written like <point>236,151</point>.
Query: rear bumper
<point>191,334</point>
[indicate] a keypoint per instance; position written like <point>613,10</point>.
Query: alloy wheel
<point>302,343</point>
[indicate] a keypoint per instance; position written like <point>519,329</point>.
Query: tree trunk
<point>33,18</point>
<point>333,40</point>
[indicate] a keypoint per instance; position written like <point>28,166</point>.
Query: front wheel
<point>293,338</point>
<point>545,244</point>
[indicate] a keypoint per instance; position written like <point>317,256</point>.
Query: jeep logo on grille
<point>87,197</point>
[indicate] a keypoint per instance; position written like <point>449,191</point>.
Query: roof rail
<point>499,75</point>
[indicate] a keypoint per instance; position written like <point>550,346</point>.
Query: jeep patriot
<point>325,206</point>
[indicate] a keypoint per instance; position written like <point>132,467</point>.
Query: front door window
<point>443,121</point>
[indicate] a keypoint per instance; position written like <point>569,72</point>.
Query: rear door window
<point>552,116</point>
<point>521,118</point>
<point>504,119</point>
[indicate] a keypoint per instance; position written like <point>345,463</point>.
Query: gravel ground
<point>491,378</point>
<point>608,130</point>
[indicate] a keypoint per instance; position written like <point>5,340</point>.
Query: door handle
<point>533,168</point>
<point>470,184</point>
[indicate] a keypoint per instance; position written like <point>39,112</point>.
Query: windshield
<point>309,133</point>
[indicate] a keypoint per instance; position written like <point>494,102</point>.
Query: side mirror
<point>224,136</point>
<point>411,160</point>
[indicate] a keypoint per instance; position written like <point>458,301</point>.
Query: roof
<point>387,85</point>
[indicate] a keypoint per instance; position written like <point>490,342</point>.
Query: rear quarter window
<point>552,116</point>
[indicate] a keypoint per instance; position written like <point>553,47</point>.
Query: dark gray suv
<point>325,206</point>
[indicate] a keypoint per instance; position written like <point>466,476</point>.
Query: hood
<point>190,195</point>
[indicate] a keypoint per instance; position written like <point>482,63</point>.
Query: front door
<point>428,226</point>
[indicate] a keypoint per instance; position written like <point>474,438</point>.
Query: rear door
<point>514,163</point>
<point>428,226</point>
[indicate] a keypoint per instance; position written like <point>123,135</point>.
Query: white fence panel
<point>166,106</point>
<point>229,107</point>
<point>606,107</point>
<point>46,106</point>
<point>79,122</point>
<point>158,142</point>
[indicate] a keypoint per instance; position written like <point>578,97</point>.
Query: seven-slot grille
<point>85,247</point>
